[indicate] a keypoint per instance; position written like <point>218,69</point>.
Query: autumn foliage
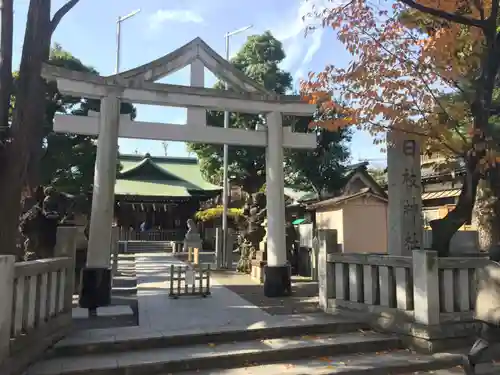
<point>424,67</point>
<point>403,71</point>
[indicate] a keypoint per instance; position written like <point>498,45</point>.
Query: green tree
<point>68,159</point>
<point>379,175</point>
<point>259,59</point>
<point>321,169</point>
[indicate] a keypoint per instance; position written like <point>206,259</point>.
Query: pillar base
<point>277,281</point>
<point>96,288</point>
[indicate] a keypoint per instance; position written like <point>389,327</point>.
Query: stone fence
<point>429,300</point>
<point>37,298</point>
<point>151,235</point>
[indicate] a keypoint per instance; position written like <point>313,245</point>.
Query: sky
<point>89,33</point>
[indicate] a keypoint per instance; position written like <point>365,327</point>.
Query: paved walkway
<point>159,312</point>
<point>304,298</point>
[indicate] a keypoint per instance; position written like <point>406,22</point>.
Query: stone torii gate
<point>138,86</point>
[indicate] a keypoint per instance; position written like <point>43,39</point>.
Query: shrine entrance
<point>138,86</point>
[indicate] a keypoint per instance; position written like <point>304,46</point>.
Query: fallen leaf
<point>211,344</point>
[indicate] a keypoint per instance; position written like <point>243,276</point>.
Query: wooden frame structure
<point>180,286</point>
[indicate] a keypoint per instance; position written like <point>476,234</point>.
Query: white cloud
<point>161,16</point>
<point>299,49</point>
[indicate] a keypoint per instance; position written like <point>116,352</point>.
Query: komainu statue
<point>255,212</point>
<point>38,225</point>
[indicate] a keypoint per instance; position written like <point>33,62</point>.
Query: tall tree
<point>486,212</point>
<point>68,160</point>
<point>322,169</point>
<point>259,59</point>
<point>399,77</point>
<point>19,150</point>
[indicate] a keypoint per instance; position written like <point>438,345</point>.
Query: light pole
<point>118,36</point>
<point>225,186</point>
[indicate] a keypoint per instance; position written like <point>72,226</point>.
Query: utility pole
<point>225,186</point>
<point>118,37</point>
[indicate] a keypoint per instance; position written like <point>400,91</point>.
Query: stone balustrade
<point>37,299</point>
<point>424,297</point>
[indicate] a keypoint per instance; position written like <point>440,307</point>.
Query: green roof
<point>161,177</point>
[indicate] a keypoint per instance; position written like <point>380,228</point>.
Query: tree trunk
<point>485,217</point>
<point>6,35</point>
<point>22,153</point>
<point>444,229</point>
<point>27,121</point>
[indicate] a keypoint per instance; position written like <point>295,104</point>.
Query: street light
<point>225,186</point>
<point>118,36</point>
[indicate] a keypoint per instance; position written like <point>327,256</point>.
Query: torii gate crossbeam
<point>109,125</point>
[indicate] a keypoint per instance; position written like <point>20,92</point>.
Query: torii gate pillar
<point>96,276</point>
<point>277,272</point>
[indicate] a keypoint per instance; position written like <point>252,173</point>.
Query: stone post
<point>114,250</point>
<point>313,258</point>
<point>6,294</point>
<point>96,277</point>
<point>228,256</point>
<point>327,244</point>
<point>219,259</point>
<point>277,274</point>
<point>66,247</point>
<point>405,194</point>
<point>425,286</point>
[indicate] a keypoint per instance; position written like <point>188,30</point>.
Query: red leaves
<point>397,75</point>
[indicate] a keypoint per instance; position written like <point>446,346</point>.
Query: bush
<point>216,212</point>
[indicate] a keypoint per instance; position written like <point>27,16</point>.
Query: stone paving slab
<point>159,312</point>
<point>175,359</point>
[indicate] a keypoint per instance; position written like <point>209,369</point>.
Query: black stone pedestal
<point>277,281</point>
<point>96,288</point>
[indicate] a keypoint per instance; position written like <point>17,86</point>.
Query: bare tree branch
<point>58,16</point>
<point>452,17</point>
<point>479,6</point>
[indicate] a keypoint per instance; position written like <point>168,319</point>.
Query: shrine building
<point>162,192</point>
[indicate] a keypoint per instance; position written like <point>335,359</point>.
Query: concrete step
<point>125,280</point>
<point>148,246</point>
<point>217,356</point>
<point>394,362</point>
<point>138,339</point>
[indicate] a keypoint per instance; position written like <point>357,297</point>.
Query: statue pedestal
<point>257,271</point>
<point>258,264</point>
<point>192,244</point>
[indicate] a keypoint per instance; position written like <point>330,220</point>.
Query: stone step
<point>394,362</point>
<point>125,280</point>
<point>148,246</point>
<point>136,338</point>
<point>123,291</point>
<point>212,356</point>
